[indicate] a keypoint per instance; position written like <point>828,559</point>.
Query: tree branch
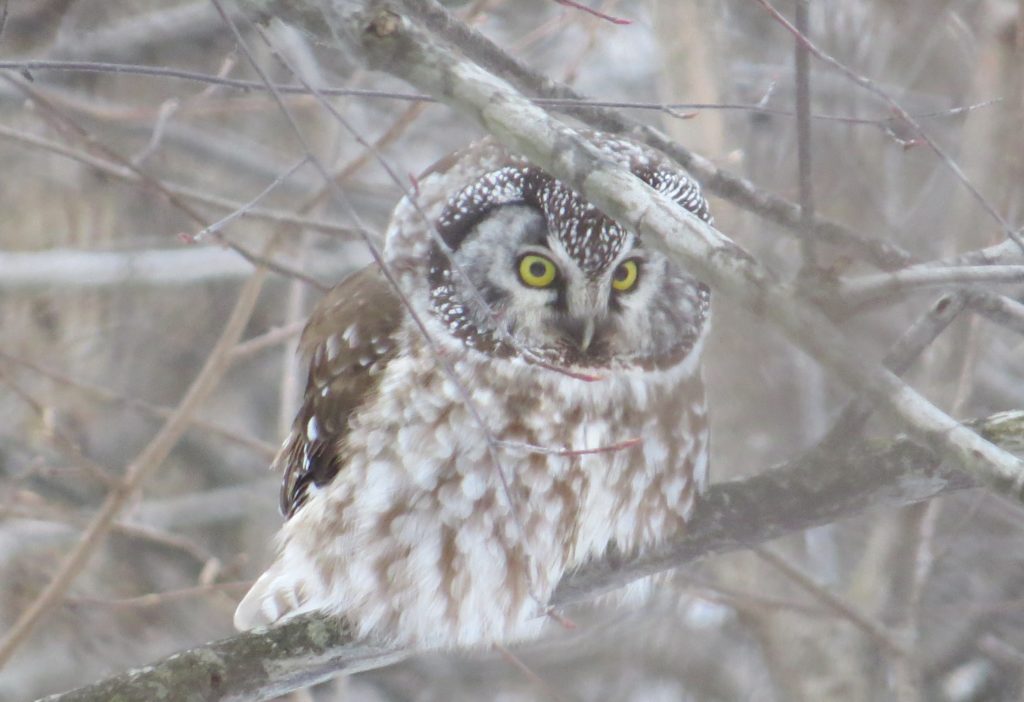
<point>136,473</point>
<point>815,489</point>
<point>390,41</point>
<point>257,665</point>
<point>66,269</point>
<point>861,290</point>
<point>818,488</point>
<point>740,191</point>
<point>109,168</point>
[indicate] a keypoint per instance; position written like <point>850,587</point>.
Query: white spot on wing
<point>351,335</point>
<point>333,345</point>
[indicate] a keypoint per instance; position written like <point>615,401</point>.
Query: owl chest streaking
<point>534,400</point>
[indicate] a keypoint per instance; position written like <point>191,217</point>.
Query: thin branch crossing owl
<point>534,400</point>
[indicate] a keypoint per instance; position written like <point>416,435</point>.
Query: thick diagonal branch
<point>817,489</point>
<point>392,42</point>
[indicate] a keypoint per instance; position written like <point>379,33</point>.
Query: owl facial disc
<point>534,267</point>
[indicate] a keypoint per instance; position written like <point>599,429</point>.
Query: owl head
<point>523,265</point>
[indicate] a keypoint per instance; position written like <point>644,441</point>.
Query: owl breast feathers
<point>535,400</point>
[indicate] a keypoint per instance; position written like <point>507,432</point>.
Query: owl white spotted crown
<point>573,226</point>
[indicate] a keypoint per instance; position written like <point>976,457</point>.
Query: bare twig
<point>392,42</point>
<point>919,525</point>
<point>715,180</point>
<point>75,269</point>
<point>671,108</point>
<point>1004,253</point>
<point>151,181</point>
<point>611,448</point>
<point>261,448</point>
<point>899,358</point>
<point>129,37</point>
<point>742,192</point>
<point>130,529</point>
<point>548,692</point>
<point>811,491</point>
<point>3,18</point>
<point>274,337</point>
<point>856,292</point>
<point>202,197</point>
<point>860,620</point>
<point>164,114</point>
<point>1000,309</point>
<point>138,470</point>
<point>397,128</point>
<point>211,506</point>
<point>803,142</point>
<point>156,599</point>
<point>743,600</point>
<point>63,443</point>
<point>239,212</point>
<point>869,85</point>
<point>596,13</point>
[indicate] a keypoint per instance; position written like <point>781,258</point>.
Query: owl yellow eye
<point>537,271</point>
<point>625,276</point>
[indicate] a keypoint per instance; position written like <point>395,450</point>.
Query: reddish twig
<point>596,13</point>
<point>610,448</point>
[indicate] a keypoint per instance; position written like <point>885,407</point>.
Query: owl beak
<point>581,331</point>
<point>586,333</point>
<point>587,309</point>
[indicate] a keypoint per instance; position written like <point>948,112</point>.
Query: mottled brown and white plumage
<point>429,519</point>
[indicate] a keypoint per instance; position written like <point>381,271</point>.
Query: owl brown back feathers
<point>436,491</point>
<point>348,341</point>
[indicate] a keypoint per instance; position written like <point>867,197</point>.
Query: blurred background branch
<point>129,126</point>
<point>816,490</point>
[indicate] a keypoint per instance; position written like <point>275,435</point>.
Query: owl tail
<point>270,599</point>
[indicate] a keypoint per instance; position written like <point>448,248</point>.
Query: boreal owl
<point>528,398</point>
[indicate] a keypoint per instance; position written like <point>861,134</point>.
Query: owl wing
<point>350,338</point>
